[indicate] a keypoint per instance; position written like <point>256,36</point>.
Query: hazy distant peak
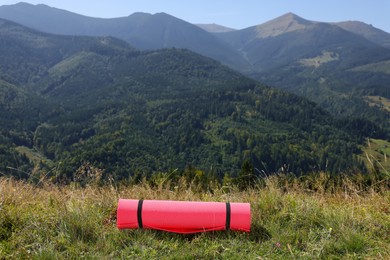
<point>156,16</point>
<point>140,14</point>
<point>286,23</point>
<point>22,9</point>
<point>368,31</point>
<point>162,14</point>
<point>23,4</point>
<point>28,5</point>
<point>215,28</point>
<point>357,26</point>
<point>291,16</point>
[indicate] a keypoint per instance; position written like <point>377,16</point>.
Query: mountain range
<point>141,30</point>
<point>67,100</point>
<point>79,94</point>
<point>321,61</point>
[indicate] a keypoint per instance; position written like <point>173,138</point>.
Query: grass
<point>378,101</point>
<point>33,155</point>
<point>324,58</point>
<point>292,218</point>
<point>379,67</point>
<point>376,154</point>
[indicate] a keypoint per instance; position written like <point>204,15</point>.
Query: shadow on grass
<point>257,234</point>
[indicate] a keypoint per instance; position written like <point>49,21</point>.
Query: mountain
<point>320,61</point>
<point>284,24</point>
<point>68,100</point>
<point>290,38</point>
<point>141,30</point>
<point>369,32</point>
<point>215,28</point>
<point>282,52</point>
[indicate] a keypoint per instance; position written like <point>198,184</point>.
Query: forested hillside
<point>70,101</point>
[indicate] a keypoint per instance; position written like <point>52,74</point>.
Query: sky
<point>237,14</point>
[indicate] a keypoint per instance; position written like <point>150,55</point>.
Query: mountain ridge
<point>313,59</point>
<point>288,52</point>
<point>215,28</point>
<point>142,30</point>
<point>161,30</point>
<point>288,22</point>
<point>367,31</point>
<point>132,112</point>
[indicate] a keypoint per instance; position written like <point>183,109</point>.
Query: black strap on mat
<point>139,213</point>
<point>228,215</point>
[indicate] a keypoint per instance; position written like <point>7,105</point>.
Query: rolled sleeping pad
<point>183,216</point>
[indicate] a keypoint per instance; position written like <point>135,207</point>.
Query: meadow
<point>315,217</point>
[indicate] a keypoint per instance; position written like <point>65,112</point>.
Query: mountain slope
<point>279,52</point>
<point>143,31</point>
<point>131,112</point>
<point>215,28</point>
<point>320,61</point>
<point>27,53</point>
<point>369,32</point>
<point>286,23</point>
<point>289,38</point>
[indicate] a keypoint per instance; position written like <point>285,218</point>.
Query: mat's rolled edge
<point>240,217</point>
<point>126,216</point>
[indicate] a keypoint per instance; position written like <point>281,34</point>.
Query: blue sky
<point>237,14</point>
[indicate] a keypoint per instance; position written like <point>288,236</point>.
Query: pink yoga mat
<point>183,216</point>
